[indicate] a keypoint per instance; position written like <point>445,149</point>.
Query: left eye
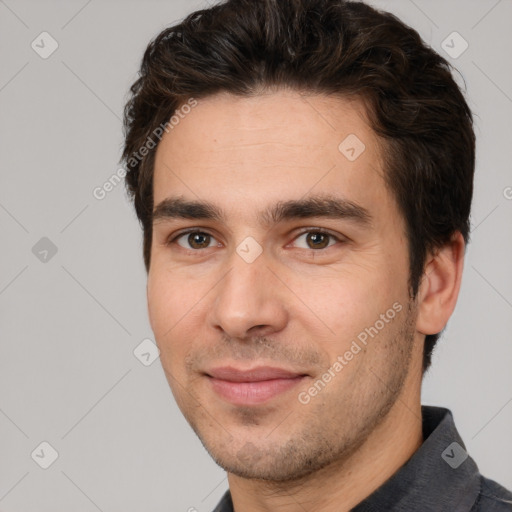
<point>195,240</point>
<point>315,240</point>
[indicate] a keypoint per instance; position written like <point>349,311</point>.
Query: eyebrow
<point>324,206</point>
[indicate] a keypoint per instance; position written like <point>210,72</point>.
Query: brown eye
<point>199,240</point>
<point>195,240</point>
<point>315,240</point>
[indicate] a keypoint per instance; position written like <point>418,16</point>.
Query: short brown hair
<point>327,47</point>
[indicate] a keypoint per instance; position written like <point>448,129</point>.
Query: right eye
<point>195,240</point>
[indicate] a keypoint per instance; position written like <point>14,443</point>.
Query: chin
<point>286,463</point>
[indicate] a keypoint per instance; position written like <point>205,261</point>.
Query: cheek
<point>342,305</point>
<point>178,300</point>
<point>167,310</point>
<point>171,300</point>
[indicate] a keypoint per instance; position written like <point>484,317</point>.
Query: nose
<point>249,300</point>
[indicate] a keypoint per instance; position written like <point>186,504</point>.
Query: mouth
<point>254,386</point>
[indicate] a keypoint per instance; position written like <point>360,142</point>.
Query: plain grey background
<point>71,319</point>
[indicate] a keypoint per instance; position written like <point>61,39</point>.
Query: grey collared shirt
<point>439,477</point>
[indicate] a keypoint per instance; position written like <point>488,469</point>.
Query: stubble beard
<point>326,435</point>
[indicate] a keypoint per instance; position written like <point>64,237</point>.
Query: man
<point>305,200</point>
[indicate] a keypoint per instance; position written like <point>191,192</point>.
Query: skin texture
<point>293,307</point>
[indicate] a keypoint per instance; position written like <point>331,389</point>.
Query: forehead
<point>245,152</point>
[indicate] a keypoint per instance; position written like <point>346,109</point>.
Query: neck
<point>343,484</point>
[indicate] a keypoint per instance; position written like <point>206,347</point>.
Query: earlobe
<point>440,285</point>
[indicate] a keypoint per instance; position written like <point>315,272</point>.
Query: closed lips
<point>254,375</point>
<point>251,387</point>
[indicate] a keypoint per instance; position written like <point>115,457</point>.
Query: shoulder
<point>492,497</point>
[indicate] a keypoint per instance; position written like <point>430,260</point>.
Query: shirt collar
<point>440,476</point>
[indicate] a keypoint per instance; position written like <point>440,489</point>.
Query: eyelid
<point>197,229</point>
<point>174,236</point>
<point>322,231</point>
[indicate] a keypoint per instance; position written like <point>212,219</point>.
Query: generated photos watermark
<point>363,337</point>
<point>100,192</point>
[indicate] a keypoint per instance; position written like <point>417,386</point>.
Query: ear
<point>440,285</point>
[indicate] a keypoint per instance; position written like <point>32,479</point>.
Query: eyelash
<point>317,231</point>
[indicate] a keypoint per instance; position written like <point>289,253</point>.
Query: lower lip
<point>252,393</point>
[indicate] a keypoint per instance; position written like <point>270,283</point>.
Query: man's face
<point>281,312</point>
